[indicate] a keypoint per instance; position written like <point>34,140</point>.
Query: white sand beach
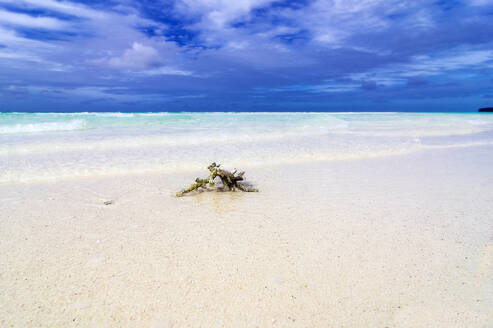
<point>395,241</point>
<point>358,135</point>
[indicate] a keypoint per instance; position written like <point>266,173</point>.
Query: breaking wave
<point>43,127</point>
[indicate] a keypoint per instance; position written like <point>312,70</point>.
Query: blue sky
<point>246,55</point>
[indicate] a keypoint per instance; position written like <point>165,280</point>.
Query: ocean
<point>49,146</point>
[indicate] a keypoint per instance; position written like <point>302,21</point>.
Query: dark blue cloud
<point>245,55</point>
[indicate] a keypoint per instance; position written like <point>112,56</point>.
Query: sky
<point>246,55</point>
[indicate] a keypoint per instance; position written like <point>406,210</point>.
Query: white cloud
<point>428,65</point>
<point>10,38</point>
<point>334,87</point>
<point>20,59</point>
<point>18,19</point>
<point>420,66</point>
<point>58,6</point>
<point>102,37</point>
<point>21,56</point>
<point>167,70</point>
<point>144,60</point>
<point>330,22</point>
<point>327,87</point>
<point>219,13</point>
<point>399,74</point>
<point>20,52</point>
<point>139,56</point>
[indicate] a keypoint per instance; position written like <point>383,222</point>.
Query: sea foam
<point>42,127</point>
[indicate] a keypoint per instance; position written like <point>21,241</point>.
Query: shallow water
<point>41,146</point>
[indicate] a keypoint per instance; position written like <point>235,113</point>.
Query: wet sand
<point>398,241</point>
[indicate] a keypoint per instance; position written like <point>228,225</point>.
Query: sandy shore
<point>402,241</point>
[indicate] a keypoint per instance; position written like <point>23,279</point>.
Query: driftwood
<point>230,181</point>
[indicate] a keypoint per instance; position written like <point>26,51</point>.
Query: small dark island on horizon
<point>486,110</point>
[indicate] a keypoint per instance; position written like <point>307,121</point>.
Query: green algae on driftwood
<point>230,181</point>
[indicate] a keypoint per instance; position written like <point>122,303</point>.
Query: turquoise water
<point>47,146</point>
